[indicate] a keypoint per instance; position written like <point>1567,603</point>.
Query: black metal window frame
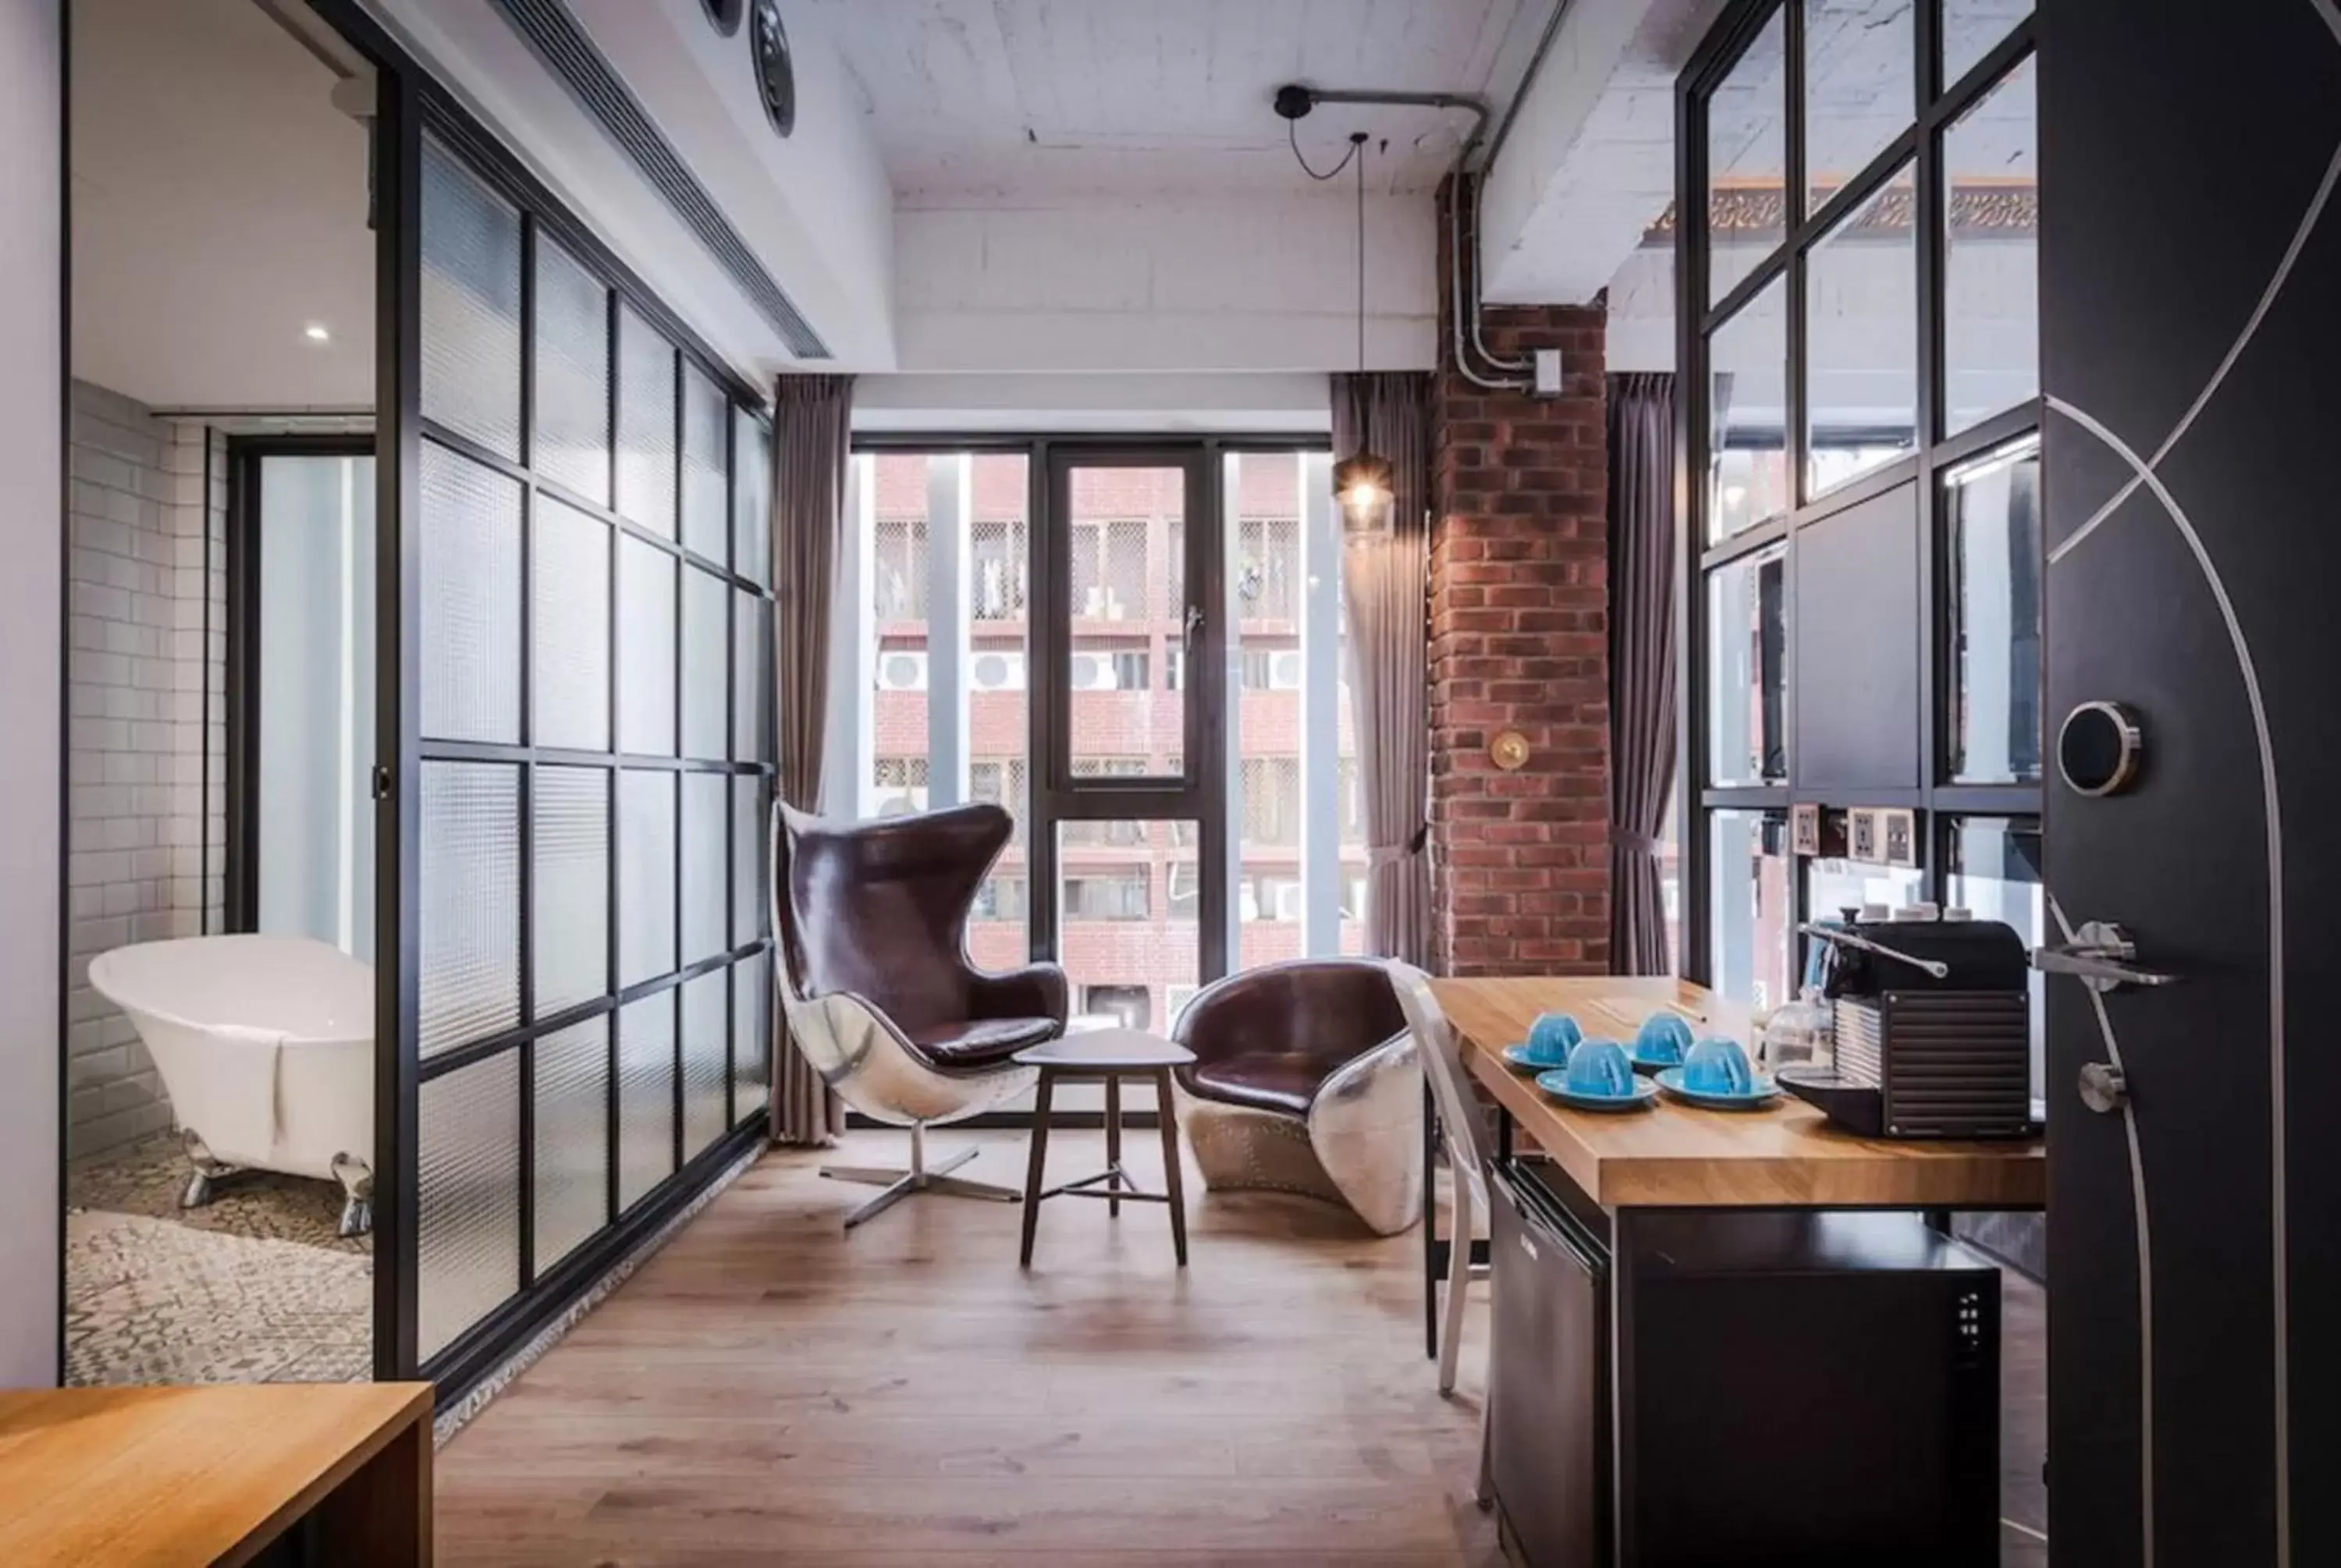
<point>411,103</point>
<point>1936,106</point>
<point>1055,793</point>
<point>247,455</point>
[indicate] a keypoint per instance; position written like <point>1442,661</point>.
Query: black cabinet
<point>1550,1413</point>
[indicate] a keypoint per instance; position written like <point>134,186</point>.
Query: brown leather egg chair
<point>877,988</point>
<point>1307,1079</point>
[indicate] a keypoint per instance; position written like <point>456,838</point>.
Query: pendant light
<point>1363,481</point>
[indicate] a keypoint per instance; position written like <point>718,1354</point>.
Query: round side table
<point>1111,1055</point>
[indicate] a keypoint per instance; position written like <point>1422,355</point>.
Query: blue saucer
<point>1765,1092</point>
<point>1556,1084</point>
<point>1517,1058</point>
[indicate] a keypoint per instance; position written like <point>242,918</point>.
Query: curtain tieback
<point>1634,843</point>
<point>1391,854</point>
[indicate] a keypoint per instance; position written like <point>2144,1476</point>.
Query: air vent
<point>570,55</point>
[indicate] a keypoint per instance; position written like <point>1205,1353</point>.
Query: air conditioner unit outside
<point>1288,901</point>
<point>901,671</point>
<point>904,800</point>
<point>997,671</point>
<point>1093,672</point>
<point>1286,668</point>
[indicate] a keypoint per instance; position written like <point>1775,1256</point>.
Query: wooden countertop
<point>150,1477</point>
<point>1674,1156</point>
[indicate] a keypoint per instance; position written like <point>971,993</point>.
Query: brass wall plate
<point>1805,829</point>
<point>1882,836</point>
<point>1509,751</point>
<point>1861,835</point>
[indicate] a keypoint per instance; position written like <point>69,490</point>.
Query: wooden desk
<point>160,1477</point>
<point>1675,1155</point>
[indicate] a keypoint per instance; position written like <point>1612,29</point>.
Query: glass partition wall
<point>1858,188</point>
<point>588,748</point>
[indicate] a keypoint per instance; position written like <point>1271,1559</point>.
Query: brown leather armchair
<point>876,985</point>
<point>1307,1079</point>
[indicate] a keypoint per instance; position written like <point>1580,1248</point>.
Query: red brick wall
<point>1519,641</point>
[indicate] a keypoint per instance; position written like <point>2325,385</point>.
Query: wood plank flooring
<point>769,1390</point>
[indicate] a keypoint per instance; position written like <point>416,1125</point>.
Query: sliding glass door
<point>584,765</point>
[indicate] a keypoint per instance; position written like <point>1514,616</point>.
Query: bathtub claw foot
<point>208,1170</point>
<point>357,1195</point>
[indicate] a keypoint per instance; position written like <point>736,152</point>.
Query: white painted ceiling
<point>219,207</point>
<point>1025,98</point>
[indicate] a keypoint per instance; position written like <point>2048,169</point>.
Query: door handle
<point>2101,956</point>
<point>2104,1088</point>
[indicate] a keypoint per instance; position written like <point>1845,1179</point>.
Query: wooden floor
<point>768,1390</point>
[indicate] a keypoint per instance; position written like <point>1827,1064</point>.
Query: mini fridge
<point>1800,1387</point>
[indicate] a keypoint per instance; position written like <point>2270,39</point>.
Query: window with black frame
<point>595,757</point>
<point>1857,290</point>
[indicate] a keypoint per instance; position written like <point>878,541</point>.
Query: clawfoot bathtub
<point>266,1046</point>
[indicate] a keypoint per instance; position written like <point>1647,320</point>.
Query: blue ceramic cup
<point>1600,1067</point>
<point>1718,1066</point>
<point>1662,1038</point>
<point>1550,1039</point>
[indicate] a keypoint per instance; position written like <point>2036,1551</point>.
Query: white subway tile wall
<point>147,674</point>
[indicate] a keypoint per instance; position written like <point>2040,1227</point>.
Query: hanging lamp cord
<point>1357,145</point>
<point>1292,135</point>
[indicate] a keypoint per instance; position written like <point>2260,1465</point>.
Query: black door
<point>2191,313</point>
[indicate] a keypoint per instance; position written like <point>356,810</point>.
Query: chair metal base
<point>919,1177</point>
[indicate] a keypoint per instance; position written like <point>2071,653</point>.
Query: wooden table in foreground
<point>160,1477</point>
<point>1676,1156</point>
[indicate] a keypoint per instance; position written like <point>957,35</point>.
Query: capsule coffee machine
<point>1933,1030</point>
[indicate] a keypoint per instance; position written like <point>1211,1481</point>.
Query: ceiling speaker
<point>724,15</point>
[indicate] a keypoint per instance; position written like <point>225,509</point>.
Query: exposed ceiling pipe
<point>1536,63</point>
<point>1295,100</point>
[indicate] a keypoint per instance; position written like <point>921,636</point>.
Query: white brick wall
<point>146,672</point>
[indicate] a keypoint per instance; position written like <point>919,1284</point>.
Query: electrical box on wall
<point>1548,373</point>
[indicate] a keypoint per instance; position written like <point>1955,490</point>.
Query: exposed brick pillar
<point>1519,640</point>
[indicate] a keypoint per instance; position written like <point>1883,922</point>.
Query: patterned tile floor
<point>253,1287</point>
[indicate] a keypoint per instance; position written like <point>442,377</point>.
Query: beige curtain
<point>1388,583</point>
<point>812,445</point>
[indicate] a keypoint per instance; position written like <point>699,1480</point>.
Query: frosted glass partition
<point>594,750</point>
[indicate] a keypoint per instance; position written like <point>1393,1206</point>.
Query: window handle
<point>1194,628</point>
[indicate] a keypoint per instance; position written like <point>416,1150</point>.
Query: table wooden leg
<point>1038,1159</point>
<point>381,1513</point>
<point>1113,1144</point>
<point>1171,1182</point>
